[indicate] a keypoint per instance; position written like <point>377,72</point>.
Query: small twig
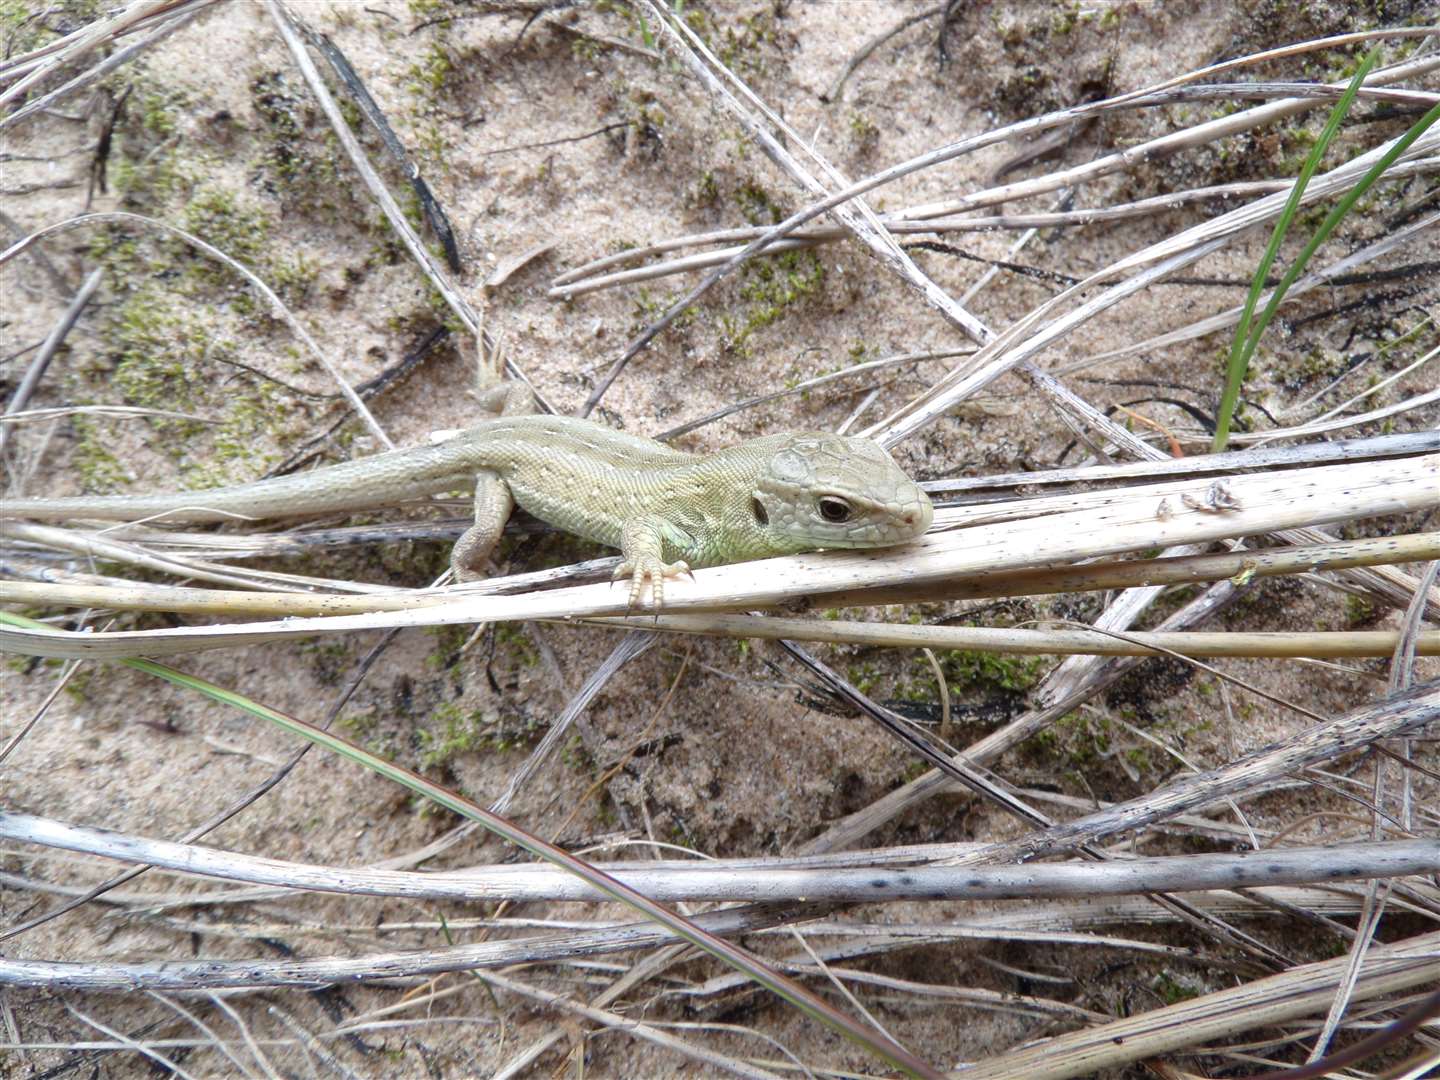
<point>287,24</point>
<point>558,142</point>
<point>752,880</point>
<point>37,253</point>
<point>53,340</point>
<point>864,52</point>
<point>808,384</point>
<point>429,205</point>
<point>110,63</point>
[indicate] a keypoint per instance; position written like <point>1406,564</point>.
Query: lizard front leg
<point>493,506</point>
<point>643,542</point>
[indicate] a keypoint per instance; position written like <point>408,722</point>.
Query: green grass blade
<point>1242,348</point>
<point>1343,207</point>
<point>873,1041</point>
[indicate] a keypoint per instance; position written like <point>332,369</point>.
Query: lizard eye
<point>834,509</point>
<point>758,509</point>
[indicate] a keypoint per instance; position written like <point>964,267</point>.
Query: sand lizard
<point>667,510</point>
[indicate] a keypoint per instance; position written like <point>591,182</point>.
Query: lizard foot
<point>467,574</point>
<point>648,568</point>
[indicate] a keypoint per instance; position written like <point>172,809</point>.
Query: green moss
<point>1081,740</point>
<point>161,110</point>
<point>27,665</point>
<point>292,279</point>
<point>459,732</point>
<point>432,146</point>
<point>146,167</point>
<point>863,676</point>
<point>864,133</point>
<point>706,191</point>
<point>748,45</point>
<point>79,685</point>
<point>454,731</point>
<point>297,160</point>
<point>428,75</point>
<point>576,757</point>
<point>120,252</point>
<point>756,205</point>
<point>21,27</point>
<point>359,726</point>
<point>99,470</point>
<point>282,115</point>
<point>768,288</point>
<point>145,182</point>
<point>1064,19</point>
<point>448,642</point>
<point>167,357</point>
<point>25,25</point>
<point>1360,611</point>
<point>240,438</point>
<point>217,216</point>
<point>512,638</point>
<point>586,49</point>
<point>157,352</point>
<point>1174,989</point>
<point>965,669</point>
<point>1292,372</point>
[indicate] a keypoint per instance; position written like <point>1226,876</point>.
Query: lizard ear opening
<point>758,509</point>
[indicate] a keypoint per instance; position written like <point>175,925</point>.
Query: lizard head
<point>833,491</point>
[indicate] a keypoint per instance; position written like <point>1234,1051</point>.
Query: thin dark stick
<point>47,351</point>
<point>559,142</point>
<point>874,43</point>
<point>366,391</point>
<point>973,780</point>
<point>37,253</point>
<point>355,86</point>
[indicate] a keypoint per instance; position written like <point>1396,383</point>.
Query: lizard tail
<point>376,481</point>
<point>219,504</point>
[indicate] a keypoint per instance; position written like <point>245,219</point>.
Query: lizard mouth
<point>916,520</point>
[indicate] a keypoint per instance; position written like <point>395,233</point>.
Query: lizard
<point>667,510</point>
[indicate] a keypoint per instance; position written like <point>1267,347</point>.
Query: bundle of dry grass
<point>1163,668</point>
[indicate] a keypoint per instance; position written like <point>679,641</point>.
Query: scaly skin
<point>665,509</point>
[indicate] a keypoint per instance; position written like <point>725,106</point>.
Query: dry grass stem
<point>1110,522</point>
<point>1301,991</point>
<point>1277,866</point>
<point>1227,865</point>
<point>1248,565</point>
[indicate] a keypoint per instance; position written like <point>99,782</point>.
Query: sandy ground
<point>564,132</point>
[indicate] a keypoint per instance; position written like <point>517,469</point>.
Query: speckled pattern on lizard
<point>667,510</point>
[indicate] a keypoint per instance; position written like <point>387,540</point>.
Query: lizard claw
<point>648,568</point>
